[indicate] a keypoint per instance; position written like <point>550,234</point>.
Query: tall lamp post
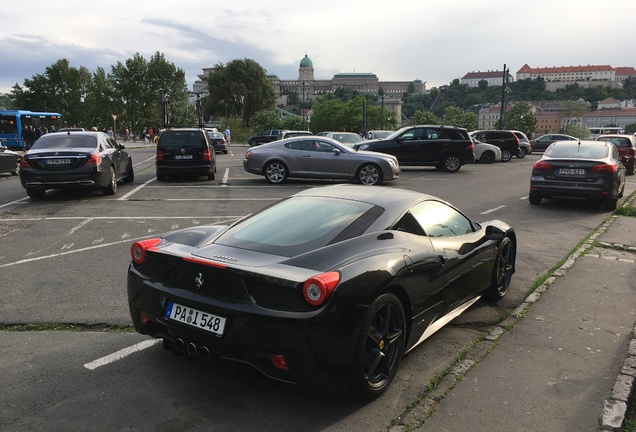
<point>303,107</point>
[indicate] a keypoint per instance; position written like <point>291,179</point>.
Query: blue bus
<point>14,124</point>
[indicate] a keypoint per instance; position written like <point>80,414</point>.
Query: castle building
<point>310,87</point>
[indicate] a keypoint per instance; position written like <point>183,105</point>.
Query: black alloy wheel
<point>380,347</point>
<point>111,189</point>
<point>502,271</point>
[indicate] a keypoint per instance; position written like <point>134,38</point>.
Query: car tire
<point>535,199</point>
<point>161,177</point>
<point>36,193</point>
<point>487,157</point>
<point>253,143</point>
<point>610,204</point>
<point>130,173</point>
<point>521,153</point>
<point>502,270</point>
<point>379,348</point>
<point>211,176</point>
<point>369,174</point>
<point>451,163</point>
<point>630,171</point>
<point>16,171</point>
<point>275,172</point>
<point>111,189</point>
<point>506,155</point>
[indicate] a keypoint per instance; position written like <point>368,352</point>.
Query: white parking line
<point>121,354</point>
<point>124,197</point>
<point>226,176</point>
<point>492,210</point>
<point>15,202</point>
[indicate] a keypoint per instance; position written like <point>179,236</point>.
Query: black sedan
<point>75,160</point>
<point>328,288</point>
<point>9,161</point>
<point>584,169</point>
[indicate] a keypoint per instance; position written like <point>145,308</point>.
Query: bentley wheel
<point>380,347</point>
<point>369,174</point>
<point>506,155</point>
<point>275,172</point>
<point>451,163</point>
<point>502,271</point>
<point>112,184</point>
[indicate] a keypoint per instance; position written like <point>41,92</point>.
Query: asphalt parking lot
<point>63,261</point>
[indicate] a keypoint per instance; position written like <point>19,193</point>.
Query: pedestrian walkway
<point>565,360</point>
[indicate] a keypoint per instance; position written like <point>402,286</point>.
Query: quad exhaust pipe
<point>191,349</point>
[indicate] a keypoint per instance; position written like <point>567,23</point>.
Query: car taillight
<point>94,160</point>
<point>159,155</point>
<point>319,288</point>
<point>471,146</point>
<point>610,168</point>
<point>24,163</point>
<point>539,165</point>
<point>207,155</point>
<point>138,249</point>
<point>248,154</point>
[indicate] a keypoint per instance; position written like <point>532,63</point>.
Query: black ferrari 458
<point>329,287</point>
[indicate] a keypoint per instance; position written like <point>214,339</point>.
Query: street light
<point>302,108</point>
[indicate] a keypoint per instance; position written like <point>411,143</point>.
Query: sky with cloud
<point>434,41</point>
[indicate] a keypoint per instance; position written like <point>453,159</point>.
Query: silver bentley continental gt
<point>319,158</point>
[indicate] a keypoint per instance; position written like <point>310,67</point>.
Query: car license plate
<point>58,161</point>
<point>183,156</point>
<point>571,171</point>
<point>195,318</point>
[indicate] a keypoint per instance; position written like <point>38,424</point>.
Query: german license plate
<point>195,318</point>
<point>183,156</point>
<point>571,171</point>
<point>58,161</point>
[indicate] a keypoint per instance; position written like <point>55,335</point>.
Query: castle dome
<point>306,62</point>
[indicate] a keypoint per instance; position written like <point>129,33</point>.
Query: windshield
<point>182,139</point>
<point>348,138</point>
<point>576,151</point>
<point>299,225</point>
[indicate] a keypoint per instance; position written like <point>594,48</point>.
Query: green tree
<point>139,86</point>
<point>240,87</point>
<point>630,128</point>
<point>572,110</point>
<point>482,84</point>
<point>577,130</point>
<point>520,117</point>
<point>454,116</point>
<point>425,117</point>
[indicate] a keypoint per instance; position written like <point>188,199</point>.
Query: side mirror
<point>336,151</point>
<point>494,233</point>
<point>121,146</point>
